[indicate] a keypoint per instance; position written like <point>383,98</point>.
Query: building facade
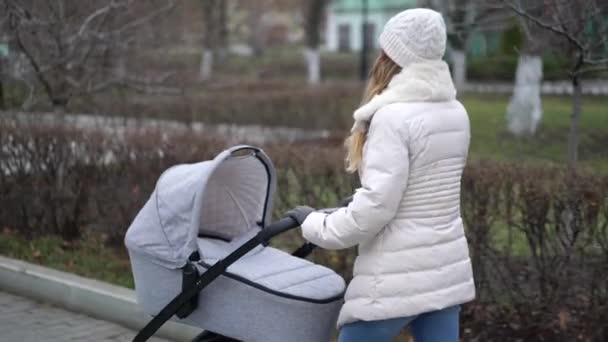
<point>345,18</point>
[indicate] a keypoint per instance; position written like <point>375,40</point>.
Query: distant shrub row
<point>268,103</point>
<point>503,67</point>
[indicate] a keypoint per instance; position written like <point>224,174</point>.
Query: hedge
<point>538,236</point>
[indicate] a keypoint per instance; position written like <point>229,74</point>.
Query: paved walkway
<point>120,127</point>
<point>24,320</point>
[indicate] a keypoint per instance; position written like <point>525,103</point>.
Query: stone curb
<point>83,295</point>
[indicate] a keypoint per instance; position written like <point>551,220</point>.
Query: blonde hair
<point>381,74</point>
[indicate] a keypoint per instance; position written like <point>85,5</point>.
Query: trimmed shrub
<point>268,103</point>
<point>503,67</point>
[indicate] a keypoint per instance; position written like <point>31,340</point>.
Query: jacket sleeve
<point>384,175</point>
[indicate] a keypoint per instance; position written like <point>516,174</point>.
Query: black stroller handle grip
<point>277,227</point>
<point>304,250</point>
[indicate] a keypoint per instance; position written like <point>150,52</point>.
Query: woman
<point>409,144</point>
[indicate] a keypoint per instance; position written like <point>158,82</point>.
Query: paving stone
<point>25,320</point>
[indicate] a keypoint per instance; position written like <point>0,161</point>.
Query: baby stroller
<point>199,251</point>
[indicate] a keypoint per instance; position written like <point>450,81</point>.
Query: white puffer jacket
<point>413,254</point>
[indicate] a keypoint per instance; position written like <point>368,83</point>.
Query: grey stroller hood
<point>223,198</point>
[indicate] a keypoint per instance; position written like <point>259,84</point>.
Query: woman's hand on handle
<point>346,201</point>
<point>300,213</point>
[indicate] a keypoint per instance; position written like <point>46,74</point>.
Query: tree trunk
<point>2,97</point>
<point>256,31</point>
<point>222,22</point>
<point>573,137</point>
<point>524,111</point>
<point>314,13</point>
<point>206,68</point>
<point>59,106</point>
<point>313,63</point>
<point>119,61</point>
<point>459,63</point>
<point>210,38</point>
<point>4,69</point>
<point>2,100</point>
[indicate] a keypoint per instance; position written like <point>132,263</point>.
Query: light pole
<point>364,40</point>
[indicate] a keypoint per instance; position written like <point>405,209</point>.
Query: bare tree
<point>76,48</point>
<point>314,11</point>
<point>582,31</point>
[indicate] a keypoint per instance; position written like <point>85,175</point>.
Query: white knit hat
<point>414,36</point>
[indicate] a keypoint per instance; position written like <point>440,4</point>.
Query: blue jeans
<point>435,326</point>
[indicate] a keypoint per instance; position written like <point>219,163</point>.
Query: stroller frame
<point>181,300</point>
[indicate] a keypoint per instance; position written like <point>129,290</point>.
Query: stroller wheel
<point>208,336</point>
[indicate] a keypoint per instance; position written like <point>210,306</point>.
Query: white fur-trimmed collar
<point>428,81</point>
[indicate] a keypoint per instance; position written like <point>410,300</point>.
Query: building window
<point>370,35</point>
<point>344,38</point>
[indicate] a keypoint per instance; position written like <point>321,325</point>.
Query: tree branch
<point>70,47</point>
<point>557,30</point>
<point>595,68</point>
<point>85,24</point>
<point>595,61</point>
<point>14,26</point>
<point>170,5</point>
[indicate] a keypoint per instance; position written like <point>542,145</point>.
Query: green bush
<point>502,68</point>
<point>511,41</point>
<point>288,63</point>
<point>499,68</point>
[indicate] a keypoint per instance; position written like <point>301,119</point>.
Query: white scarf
<point>428,81</point>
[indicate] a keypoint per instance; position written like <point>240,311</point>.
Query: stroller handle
<point>278,227</point>
<point>288,223</point>
<point>236,149</point>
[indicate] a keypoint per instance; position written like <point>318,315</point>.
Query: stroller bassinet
<point>212,218</point>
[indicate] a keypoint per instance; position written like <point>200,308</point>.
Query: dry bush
<point>537,243</point>
<point>538,235</point>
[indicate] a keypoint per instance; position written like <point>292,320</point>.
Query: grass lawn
<point>490,139</point>
<point>329,108</point>
<point>89,257</point>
